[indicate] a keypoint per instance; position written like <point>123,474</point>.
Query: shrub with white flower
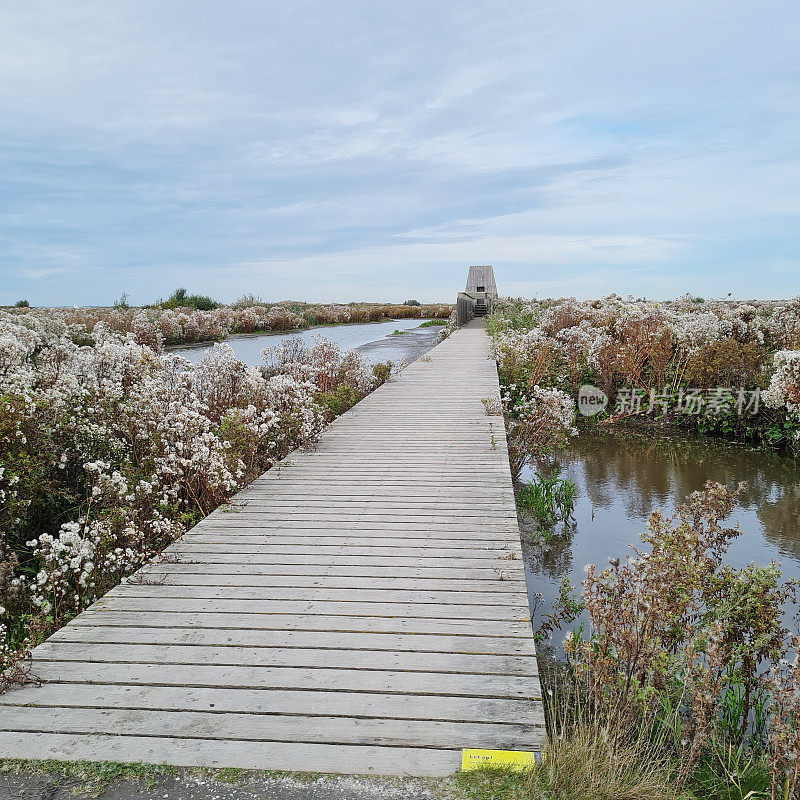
<point>784,387</point>
<point>109,449</point>
<point>660,352</point>
<point>537,422</point>
<point>66,576</point>
<point>656,348</point>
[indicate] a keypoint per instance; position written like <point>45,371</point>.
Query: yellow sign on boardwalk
<point>490,759</point>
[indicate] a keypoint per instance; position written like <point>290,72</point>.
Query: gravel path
<point>190,785</point>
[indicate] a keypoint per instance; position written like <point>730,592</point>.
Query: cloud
<point>38,274</point>
<point>334,148</point>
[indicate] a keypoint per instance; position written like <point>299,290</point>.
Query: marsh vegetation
<point>110,450</point>
<point>677,675</point>
<point>189,319</point>
<point>549,499</point>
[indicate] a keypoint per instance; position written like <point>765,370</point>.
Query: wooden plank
<point>494,586</point>
<point>350,609</point>
<point>294,492</point>
<point>248,531</point>
<point>405,518</point>
<point>321,594</point>
<point>322,640</point>
<point>527,711</point>
<point>246,727</point>
<point>338,680</point>
<point>401,528</point>
<point>380,507</point>
<point>246,656</point>
<point>166,617</point>
<point>387,551</point>
<point>468,575</point>
<point>165,749</point>
<point>322,562</point>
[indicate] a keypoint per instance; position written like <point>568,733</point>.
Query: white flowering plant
<point>110,449</point>
<point>659,348</point>
<point>538,421</point>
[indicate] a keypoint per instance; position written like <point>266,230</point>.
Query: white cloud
<point>38,274</point>
<point>629,144</point>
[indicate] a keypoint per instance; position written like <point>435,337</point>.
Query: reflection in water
<point>622,477</point>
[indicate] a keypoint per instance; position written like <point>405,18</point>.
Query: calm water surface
<point>621,478</point>
<point>348,337</point>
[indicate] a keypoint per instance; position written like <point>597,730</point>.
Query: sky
<point>373,150</point>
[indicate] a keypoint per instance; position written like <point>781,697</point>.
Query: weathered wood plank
<point>239,655</point>
<point>320,594</point>
<point>266,524</point>
<point>495,586</point>
<point>322,679</point>
<point>246,532</point>
<point>526,711</point>
<point>513,569</point>
<point>388,551</point>
<point>228,726</point>
<point>166,617</point>
<point>166,749</point>
<point>279,607</point>
<point>321,640</point>
<point>323,562</point>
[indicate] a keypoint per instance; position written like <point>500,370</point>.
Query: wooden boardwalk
<point>360,608</point>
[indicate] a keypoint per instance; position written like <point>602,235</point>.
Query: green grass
<point>432,322</point>
<point>731,774</point>
<point>397,332</point>
<point>487,784</point>
<point>90,778</point>
<point>549,498</point>
<point>230,775</point>
<point>339,400</point>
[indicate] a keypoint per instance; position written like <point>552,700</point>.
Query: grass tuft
<point>431,322</point>
<point>90,778</point>
<point>488,784</point>
<point>585,763</point>
<point>549,498</point>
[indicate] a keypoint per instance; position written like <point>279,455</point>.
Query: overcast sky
<point>372,150</point>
